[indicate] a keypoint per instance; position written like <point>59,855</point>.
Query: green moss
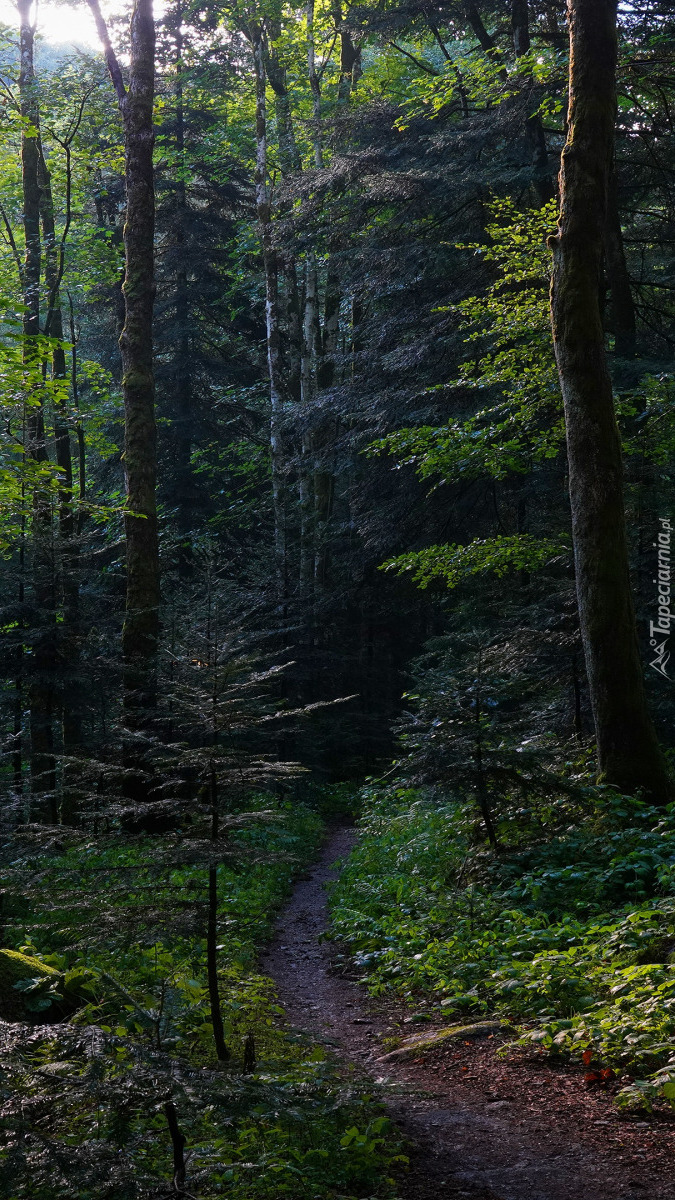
<point>15,967</point>
<point>429,1041</point>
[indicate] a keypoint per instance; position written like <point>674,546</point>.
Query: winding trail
<point>474,1143</point>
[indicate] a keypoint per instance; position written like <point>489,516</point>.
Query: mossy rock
<point>17,1004</point>
<point>423,1042</point>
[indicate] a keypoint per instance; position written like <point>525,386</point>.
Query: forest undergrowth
<point>566,930</point>
<point>123,1079</point>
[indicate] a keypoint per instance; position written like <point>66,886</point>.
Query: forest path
<point>523,1132</point>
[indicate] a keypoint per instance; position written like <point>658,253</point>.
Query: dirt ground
<point>482,1126</point>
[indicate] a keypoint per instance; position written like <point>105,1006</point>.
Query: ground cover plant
<point>567,929</point>
<point>111,1084</point>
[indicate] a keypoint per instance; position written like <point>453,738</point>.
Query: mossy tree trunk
<point>629,755</point>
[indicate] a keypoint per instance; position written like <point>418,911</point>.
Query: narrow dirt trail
<point>520,1134</point>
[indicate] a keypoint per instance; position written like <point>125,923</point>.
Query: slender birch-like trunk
<point>290,164</point>
<point>629,756</point>
<point>264,215</point>
<point>310,342</point>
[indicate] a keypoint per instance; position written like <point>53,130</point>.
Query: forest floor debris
<point>484,1127</point>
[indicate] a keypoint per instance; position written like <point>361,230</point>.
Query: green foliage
<point>294,1128</point>
<point>570,931</point>
<point>453,564</point>
<point>513,362</point>
<point>509,326</point>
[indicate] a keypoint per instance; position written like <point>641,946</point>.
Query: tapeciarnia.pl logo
<point>659,630</point>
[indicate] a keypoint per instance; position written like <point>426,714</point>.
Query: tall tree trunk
<point>297,375</point>
<point>290,164</point>
<point>53,328</point>
<point>17,724</point>
<point>324,439</point>
<point>350,60</point>
<point>41,689</point>
<point>141,623</point>
<point>315,87</point>
<point>310,342</point>
<point>222,1051</point>
<point>629,756</point>
<point>79,430</point>
<point>461,90</point>
<point>185,484</point>
<point>271,321</point>
<point>69,645</point>
<point>30,161</point>
<point>534,129</point>
<point>474,19</point>
<point>289,155</point>
<point>486,41</point>
<point>622,303</point>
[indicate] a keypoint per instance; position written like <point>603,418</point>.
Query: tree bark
<point>310,342</point>
<point>289,155</point>
<point>54,328</point>
<point>629,756</point>
<point>141,623</point>
<point>222,1051</point>
<point>68,649</point>
<point>41,687</point>
<point>290,163</point>
<point>534,129</point>
<point>622,303</point>
<point>485,39</point>
<point>185,482</point>
<point>315,86</point>
<point>178,1146</point>
<point>350,60</point>
<point>271,320</point>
